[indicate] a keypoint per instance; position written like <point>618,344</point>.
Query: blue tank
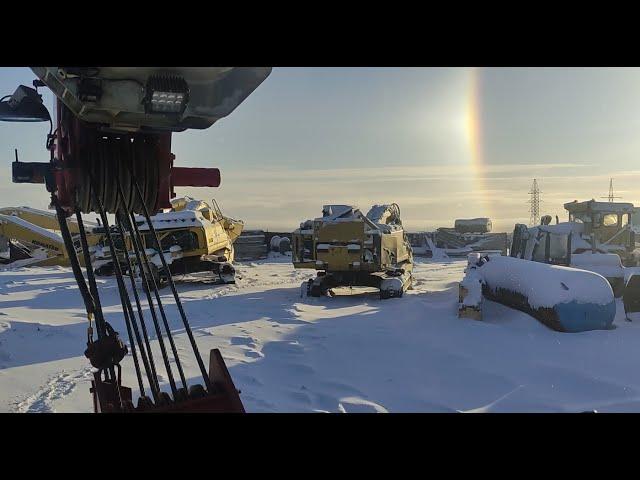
<point>563,298</point>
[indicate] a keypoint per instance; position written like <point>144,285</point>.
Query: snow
<point>564,228</point>
<point>606,264</point>
<point>386,217</point>
<point>618,207</point>
<point>437,253</point>
<point>472,282</point>
<point>378,213</point>
<point>189,203</point>
<point>333,212</point>
<point>349,353</point>
<point>173,220</point>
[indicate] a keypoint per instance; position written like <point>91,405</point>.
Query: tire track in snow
<point>56,388</point>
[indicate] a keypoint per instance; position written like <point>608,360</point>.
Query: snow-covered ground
<point>352,352</point>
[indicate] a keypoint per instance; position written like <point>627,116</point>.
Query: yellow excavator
<point>348,248</point>
<point>194,236</point>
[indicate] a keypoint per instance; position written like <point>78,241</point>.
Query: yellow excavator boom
<point>44,219</point>
<point>50,245</point>
<point>35,228</point>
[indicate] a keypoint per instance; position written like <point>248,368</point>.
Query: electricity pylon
<point>534,202</point>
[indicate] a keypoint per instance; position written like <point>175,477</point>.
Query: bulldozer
<point>194,237</point>
<point>598,237</point>
<point>607,228</point>
<point>349,248</point>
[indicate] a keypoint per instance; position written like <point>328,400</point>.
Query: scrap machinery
<point>349,248</point>
<point>110,153</point>
<point>194,237</point>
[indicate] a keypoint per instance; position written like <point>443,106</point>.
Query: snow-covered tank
<point>274,245</point>
<point>284,245</point>
<point>472,225</point>
<point>563,298</point>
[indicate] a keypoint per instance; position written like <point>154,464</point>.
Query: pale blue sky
<point>311,136</point>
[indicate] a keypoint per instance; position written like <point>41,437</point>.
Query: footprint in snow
<point>56,388</point>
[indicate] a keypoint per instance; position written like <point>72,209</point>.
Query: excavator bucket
<point>631,298</point>
<point>223,397</point>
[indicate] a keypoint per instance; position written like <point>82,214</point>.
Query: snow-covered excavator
<point>110,153</point>
<point>194,237</point>
<point>349,248</point>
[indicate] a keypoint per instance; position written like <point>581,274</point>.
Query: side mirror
<point>25,105</point>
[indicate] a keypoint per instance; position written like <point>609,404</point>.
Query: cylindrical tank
<point>284,245</point>
<point>275,243</point>
<point>472,225</point>
<point>563,298</point>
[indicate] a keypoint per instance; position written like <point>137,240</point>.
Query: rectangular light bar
<point>167,101</point>
<point>166,94</point>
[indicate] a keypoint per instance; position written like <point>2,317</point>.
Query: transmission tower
<point>611,196</point>
<point>534,202</point>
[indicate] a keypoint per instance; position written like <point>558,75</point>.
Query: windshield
<point>610,220</point>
